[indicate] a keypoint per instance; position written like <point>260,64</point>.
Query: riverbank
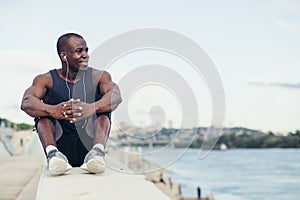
<point>167,185</point>
<point>134,160</point>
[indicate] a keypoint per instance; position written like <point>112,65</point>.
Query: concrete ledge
<point>112,184</point>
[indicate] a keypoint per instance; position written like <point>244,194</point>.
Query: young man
<point>72,107</point>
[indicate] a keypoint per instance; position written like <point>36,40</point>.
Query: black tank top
<point>84,89</point>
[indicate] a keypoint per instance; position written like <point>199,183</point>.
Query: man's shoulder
<point>44,75</point>
<point>94,70</point>
<point>99,73</point>
<point>43,78</point>
<point>100,76</point>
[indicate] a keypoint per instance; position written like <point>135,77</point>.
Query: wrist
<point>98,106</point>
<point>47,110</point>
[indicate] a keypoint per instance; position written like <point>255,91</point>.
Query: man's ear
<point>63,56</point>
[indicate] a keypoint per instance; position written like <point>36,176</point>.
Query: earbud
<point>65,57</point>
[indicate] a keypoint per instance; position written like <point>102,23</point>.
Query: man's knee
<point>44,123</point>
<point>105,117</point>
<point>104,121</point>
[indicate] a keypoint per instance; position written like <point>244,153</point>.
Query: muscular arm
<point>31,102</point>
<point>33,106</point>
<point>111,96</point>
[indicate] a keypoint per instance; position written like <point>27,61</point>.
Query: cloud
<point>286,85</point>
<point>277,84</point>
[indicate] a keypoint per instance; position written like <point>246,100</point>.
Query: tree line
<point>269,140</point>
<point>17,126</point>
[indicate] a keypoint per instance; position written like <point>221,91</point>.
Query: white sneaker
<point>94,161</point>
<point>57,163</point>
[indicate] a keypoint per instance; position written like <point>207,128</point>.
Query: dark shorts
<point>71,145</point>
<point>74,145</point>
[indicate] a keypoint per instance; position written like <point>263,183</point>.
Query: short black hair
<point>62,41</point>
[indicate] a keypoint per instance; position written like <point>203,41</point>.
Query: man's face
<point>77,54</point>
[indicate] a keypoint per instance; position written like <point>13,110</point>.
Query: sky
<point>254,45</point>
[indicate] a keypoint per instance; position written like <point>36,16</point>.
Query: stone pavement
<point>19,177</point>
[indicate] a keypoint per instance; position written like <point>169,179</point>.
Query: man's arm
<point>31,102</point>
<point>111,95</point>
<point>33,106</point>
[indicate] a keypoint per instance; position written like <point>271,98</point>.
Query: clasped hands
<point>74,110</point>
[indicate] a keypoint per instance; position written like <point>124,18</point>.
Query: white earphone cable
<point>66,79</point>
<point>69,91</point>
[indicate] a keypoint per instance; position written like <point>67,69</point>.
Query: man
<point>72,107</point>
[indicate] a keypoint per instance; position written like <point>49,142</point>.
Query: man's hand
<point>66,110</point>
<point>81,110</point>
<point>72,110</point>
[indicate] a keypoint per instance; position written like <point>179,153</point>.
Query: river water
<point>235,174</point>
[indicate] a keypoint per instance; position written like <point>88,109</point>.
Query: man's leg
<point>46,131</point>
<point>57,162</point>
<point>102,129</point>
<point>94,160</point>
